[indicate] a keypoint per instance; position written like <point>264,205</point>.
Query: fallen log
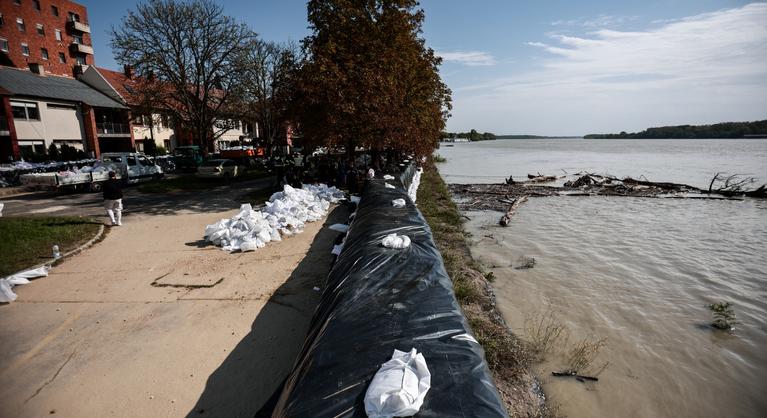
<point>506,218</point>
<point>573,373</point>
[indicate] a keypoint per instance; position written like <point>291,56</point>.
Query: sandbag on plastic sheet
<point>399,386</point>
<point>377,300</point>
<point>398,203</point>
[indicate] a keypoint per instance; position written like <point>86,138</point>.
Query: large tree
<point>368,78</point>
<point>194,52</point>
<point>268,85</point>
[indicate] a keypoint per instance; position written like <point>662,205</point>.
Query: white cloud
<point>470,58</point>
<point>701,69</point>
<point>596,22</point>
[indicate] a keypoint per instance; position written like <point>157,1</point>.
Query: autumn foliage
<point>368,79</point>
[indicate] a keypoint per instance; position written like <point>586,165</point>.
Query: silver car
<point>224,169</point>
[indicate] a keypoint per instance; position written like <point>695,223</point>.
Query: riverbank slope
<point>507,356</point>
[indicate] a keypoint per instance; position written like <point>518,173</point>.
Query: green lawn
<point>28,241</point>
<point>190,182</point>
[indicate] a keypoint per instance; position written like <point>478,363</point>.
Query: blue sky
<point>564,67</point>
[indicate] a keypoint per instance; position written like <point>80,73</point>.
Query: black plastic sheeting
<point>378,299</point>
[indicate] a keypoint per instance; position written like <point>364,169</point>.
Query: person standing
<point>113,199</point>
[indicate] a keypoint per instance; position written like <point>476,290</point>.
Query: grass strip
<point>27,241</point>
<point>508,356</point>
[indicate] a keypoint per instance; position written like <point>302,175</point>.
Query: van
<point>133,167</point>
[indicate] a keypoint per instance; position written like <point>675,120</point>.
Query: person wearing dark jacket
<point>113,199</point>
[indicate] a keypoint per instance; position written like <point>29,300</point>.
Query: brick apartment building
<point>51,93</point>
<point>52,35</point>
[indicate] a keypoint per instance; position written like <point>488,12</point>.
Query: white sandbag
<point>337,249</point>
<point>388,177</point>
<point>248,246</point>
<point>389,186</point>
<point>339,228</point>
<point>354,199</point>
<point>412,191</point>
<point>399,386</point>
<point>7,294</point>
<point>371,173</point>
<point>398,203</point>
<point>396,241</point>
<point>24,276</point>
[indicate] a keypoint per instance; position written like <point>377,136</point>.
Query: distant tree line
<point>472,135</point>
<point>719,130</point>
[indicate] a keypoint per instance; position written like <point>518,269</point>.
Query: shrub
<point>724,315</point>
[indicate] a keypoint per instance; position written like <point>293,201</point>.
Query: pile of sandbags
<point>285,214</point>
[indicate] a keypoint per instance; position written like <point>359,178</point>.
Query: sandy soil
<point>152,322</point>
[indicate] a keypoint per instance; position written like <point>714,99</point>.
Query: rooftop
<point>26,83</point>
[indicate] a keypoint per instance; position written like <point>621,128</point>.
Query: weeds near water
<point>583,355</point>
<point>724,315</point>
<point>543,331</point>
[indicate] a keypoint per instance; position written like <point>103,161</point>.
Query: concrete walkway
<point>153,322</point>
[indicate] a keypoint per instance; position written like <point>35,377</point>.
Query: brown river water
<point>637,273</point>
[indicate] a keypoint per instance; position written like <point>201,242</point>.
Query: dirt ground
<point>153,322</point>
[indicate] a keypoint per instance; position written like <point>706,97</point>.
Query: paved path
<point>152,322</point>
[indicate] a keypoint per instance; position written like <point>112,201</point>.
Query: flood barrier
<point>376,300</point>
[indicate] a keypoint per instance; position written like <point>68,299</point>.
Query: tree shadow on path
<point>262,360</point>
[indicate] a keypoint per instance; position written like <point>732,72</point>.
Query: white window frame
<point>62,58</point>
<point>21,25</point>
<point>25,49</point>
<point>58,35</point>
<point>26,105</point>
<point>4,46</point>
<point>40,29</point>
<point>44,54</point>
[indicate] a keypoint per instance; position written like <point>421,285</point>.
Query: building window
<point>80,59</point>
<point>25,49</point>
<point>2,21</point>
<point>24,111</point>
<point>74,17</point>
<point>78,39</point>
<point>17,2</point>
<point>40,29</point>
<point>36,4</point>
<point>44,53</point>
<point>62,58</point>
<point>20,24</point>
<point>58,35</point>
<point>4,44</point>
<point>54,10</point>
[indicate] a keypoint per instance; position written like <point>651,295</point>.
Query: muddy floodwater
<point>638,274</point>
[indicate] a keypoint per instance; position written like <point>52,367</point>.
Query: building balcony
<point>112,129</point>
<point>82,48</point>
<point>79,26</point>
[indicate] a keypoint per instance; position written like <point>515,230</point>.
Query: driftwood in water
<point>573,373</point>
<point>540,178</point>
<point>498,197</point>
<point>506,218</point>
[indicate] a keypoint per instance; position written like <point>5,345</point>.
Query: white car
<point>133,166</point>
<point>224,169</point>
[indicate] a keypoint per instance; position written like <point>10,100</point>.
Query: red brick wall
<point>27,11</point>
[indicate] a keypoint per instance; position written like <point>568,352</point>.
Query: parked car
<point>221,168</point>
<point>132,167</point>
